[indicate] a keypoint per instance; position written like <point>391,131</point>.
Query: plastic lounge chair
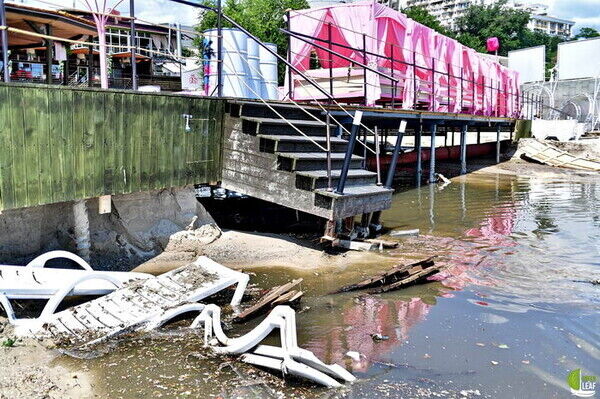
<point>35,281</point>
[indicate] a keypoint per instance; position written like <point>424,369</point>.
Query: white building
<point>448,11</point>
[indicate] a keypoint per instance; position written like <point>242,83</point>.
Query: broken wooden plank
<point>389,277</point>
<point>384,243</point>
<point>289,298</point>
<point>267,300</point>
<point>405,233</point>
<point>415,277</point>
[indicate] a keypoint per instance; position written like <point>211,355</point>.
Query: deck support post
<point>133,44</point>
<point>349,152</point>
<point>4,39</point>
<point>82,229</point>
<point>418,148</point>
<point>433,130</point>
<point>463,149</point>
<point>394,163</point>
<point>478,135</point>
<point>498,143</point>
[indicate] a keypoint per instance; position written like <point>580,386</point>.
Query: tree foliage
<point>423,16</point>
<point>587,33</point>
<point>483,21</point>
<point>262,18</point>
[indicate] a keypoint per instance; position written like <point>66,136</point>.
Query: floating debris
<point>279,295</point>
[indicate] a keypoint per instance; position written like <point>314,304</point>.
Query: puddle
<point>512,318</point>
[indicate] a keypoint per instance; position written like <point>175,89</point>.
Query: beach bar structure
<point>356,75</point>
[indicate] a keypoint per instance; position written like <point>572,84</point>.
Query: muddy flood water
<point>515,313</point>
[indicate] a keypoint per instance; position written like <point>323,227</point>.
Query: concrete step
<point>260,110</point>
<point>317,179</point>
<point>281,143</point>
<point>273,126</point>
<point>308,161</point>
<point>356,200</point>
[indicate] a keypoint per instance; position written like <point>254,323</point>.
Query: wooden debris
<point>383,243</point>
<point>396,277</point>
<point>354,245</point>
<point>405,233</point>
<point>550,155</point>
<point>275,296</point>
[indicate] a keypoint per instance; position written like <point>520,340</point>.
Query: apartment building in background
<point>448,11</point>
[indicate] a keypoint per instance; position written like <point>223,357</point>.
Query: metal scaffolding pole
<point>4,37</point>
<point>133,43</point>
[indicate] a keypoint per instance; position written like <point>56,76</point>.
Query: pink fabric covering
<point>439,61</point>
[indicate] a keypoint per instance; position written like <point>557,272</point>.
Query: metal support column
<point>392,168</point>
<point>4,38</point>
<point>133,44</point>
<point>349,152</point>
<point>219,49</point>
<point>49,55</point>
<point>419,149</point>
<point>433,130</point>
<point>498,143</point>
<point>463,149</point>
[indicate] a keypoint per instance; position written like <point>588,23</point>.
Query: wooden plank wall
<point>61,144</point>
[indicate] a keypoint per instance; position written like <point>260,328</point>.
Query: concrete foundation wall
<point>137,229</point>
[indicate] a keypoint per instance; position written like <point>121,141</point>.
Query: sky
<point>583,12</point>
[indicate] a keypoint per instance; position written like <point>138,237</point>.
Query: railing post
<point>463,149</point>
<point>433,129</point>
<point>414,65</point>
<point>392,168</point>
<point>327,120</point>
<point>448,77</point>
<point>349,151</point>
<point>4,38</point>
<point>462,93</point>
<point>377,163</point>
<point>395,88</point>
<point>329,45</point>
<point>133,43</point>
<point>365,63</point>
<point>432,103</point>
<point>289,58</point>
<point>219,49</point>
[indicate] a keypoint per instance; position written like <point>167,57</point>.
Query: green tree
<point>262,18</point>
<point>587,33</point>
<point>481,22</point>
<point>423,16</point>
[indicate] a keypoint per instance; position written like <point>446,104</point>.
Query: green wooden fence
<point>61,144</point>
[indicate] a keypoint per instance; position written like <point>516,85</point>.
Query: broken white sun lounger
<point>35,281</point>
<point>289,358</point>
<point>131,307</point>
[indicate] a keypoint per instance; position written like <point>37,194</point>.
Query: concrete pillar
<point>433,130</point>
<point>463,149</point>
<point>82,229</point>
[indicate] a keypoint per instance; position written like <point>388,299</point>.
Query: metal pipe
<point>432,104</point>
<point>392,168</point>
<point>433,130</point>
<point>364,42</point>
<point>377,163</point>
<point>463,149</point>
<point>419,149</point>
<point>4,37</point>
<point>219,49</point>
<point>133,43</point>
<point>289,59</point>
<point>349,152</point>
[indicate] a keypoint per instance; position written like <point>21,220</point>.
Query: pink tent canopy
<point>450,76</point>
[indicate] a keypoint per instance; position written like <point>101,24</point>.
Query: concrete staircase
<point>266,158</point>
